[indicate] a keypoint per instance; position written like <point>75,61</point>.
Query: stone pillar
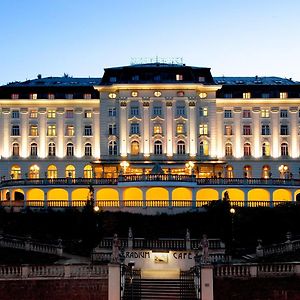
<point>256,132</point>
<point>96,132</point>
<point>78,132</point>
<point>275,131</point>
<point>170,197</point>
<point>192,132</point>
<point>220,133</point>
<point>194,197</point>
<point>207,282</point>
<point>144,197</point>
<point>123,128</point>
<point>169,128</point>
<point>42,132</point>
<point>237,133</point>
<point>70,197</point>
<point>24,132</point>
<point>146,129</point>
<point>294,151</point>
<point>60,133</point>
<point>213,151</point>
<point>6,130</point>
<point>114,282</point>
<point>45,198</point>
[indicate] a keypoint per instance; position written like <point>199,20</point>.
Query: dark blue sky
<point>233,37</point>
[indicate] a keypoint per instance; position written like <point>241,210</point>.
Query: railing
<point>288,246</point>
<point>52,271</point>
<point>157,177</point>
<point>190,283</point>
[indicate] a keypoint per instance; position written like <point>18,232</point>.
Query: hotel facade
<point>150,136</point>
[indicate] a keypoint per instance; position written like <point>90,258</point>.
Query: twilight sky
<point>81,37</point>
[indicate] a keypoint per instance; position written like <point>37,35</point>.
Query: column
<point>194,198</point>
<point>169,128</point>
<point>294,151</point>
<point>42,132</point>
<point>144,197</point>
<point>114,282</point>
<point>78,132</point>
<point>220,133</point>
<point>213,129</point>
<point>237,132</point>
<point>70,197</point>
<point>60,132</point>
<point>256,132</point>
<point>146,129</point>
<point>123,128</point>
<point>45,198</point>
<point>24,132</point>
<point>121,197</point>
<point>192,133</point>
<point>96,133</point>
<point>275,131</point>
<point>170,197</point>
<point>6,132</point>
<point>207,282</point>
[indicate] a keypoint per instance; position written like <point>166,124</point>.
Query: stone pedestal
<point>207,282</point>
<point>114,281</point>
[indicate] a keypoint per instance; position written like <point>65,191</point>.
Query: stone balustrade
<point>285,247</point>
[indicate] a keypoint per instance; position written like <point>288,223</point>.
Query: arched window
<point>51,149</point>
<point>34,172</point>
<point>88,149</point>
<point>70,171</point>
<point>266,149</point>
<point>33,149</point>
<point>266,172</point>
<point>229,172</point>
<point>247,171</point>
<point>16,149</point>
<point>112,148</point>
<point>70,149</point>
<point>158,147</point>
<point>247,149</point>
<point>228,149</point>
<point>88,171</point>
<point>15,172</point>
<point>204,151</point>
<point>135,148</point>
<point>284,149</point>
<point>52,171</point>
<point>181,147</point>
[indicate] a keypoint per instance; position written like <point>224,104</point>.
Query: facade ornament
<point>115,249</point>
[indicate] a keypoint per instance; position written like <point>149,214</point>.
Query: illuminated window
<point>265,113</point>
<point>203,95</point>
<point>51,114</point>
<point>88,171</point>
<point>265,129</point>
<point>266,149</point>
<point>134,94</point>
<point>201,79</point>
<point>33,114</point>
<point>15,130</point>
<point>283,95</point>
<point>15,172</point>
<point>69,114</point>
<point>283,113</point>
<point>247,149</point>
<point>51,96</point>
<point>15,149</point>
<point>266,172</point>
<point>180,93</point>
<point>157,111</point>
<point>246,95</point>
<point>70,150</point>
<point>247,130</point>
<point>70,131</point>
<point>246,113</point>
<point>33,96</point>
<point>180,128</point>
<point>52,172</point>
<point>204,149</point>
<point>247,172</point>
<point>158,147</point>
<point>14,96</point>
<point>87,96</point>
<point>157,129</point>
<point>70,171</point>
<point>179,77</point>
<point>135,148</point>
<point>284,149</point>
<point>112,148</point>
<point>228,149</point>
<point>51,149</point>
<point>203,111</point>
<point>134,128</point>
<point>88,149</point>
<point>34,172</point>
<point>180,111</point>
<point>112,129</point>
<point>228,129</point>
<point>69,96</point>
<point>181,147</point>
<point>15,114</point>
<point>157,94</point>
<point>112,95</point>
<point>134,111</point>
<point>33,130</point>
<point>87,114</point>
<point>203,129</point>
<point>227,113</point>
<point>112,112</point>
<point>51,130</point>
<point>33,149</point>
<point>284,130</point>
<point>88,130</point>
<point>229,171</point>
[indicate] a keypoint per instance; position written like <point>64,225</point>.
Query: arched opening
<point>15,172</point>
<point>35,194</point>
<point>80,194</point>
<point>157,196</point>
<point>282,195</point>
<point>204,149</point>
<point>34,172</point>
<point>88,149</point>
<point>33,149</point>
<point>247,149</point>
<point>70,171</point>
<point>135,148</point>
<point>266,172</point>
<point>284,149</point>
<point>70,150</point>
<point>203,196</point>
<point>52,172</point>
<point>51,149</point>
<point>247,171</point>
<point>266,149</point>
<point>107,197</point>
<point>228,149</point>
<point>234,194</point>
<point>229,171</point>
<point>59,197</point>
<point>258,195</point>
<point>181,197</point>
<point>18,195</point>
<point>181,147</point>
<point>112,148</point>
<point>297,197</point>
<point>16,149</point>
<point>88,171</point>
<point>133,197</point>
<point>158,147</point>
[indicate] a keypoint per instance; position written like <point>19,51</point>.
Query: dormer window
<point>135,78</point>
<point>33,96</point>
<point>14,96</point>
<point>201,79</point>
<point>179,77</point>
<point>112,79</point>
<point>246,95</point>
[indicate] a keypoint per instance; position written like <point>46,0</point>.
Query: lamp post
<point>190,166</point>
<point>232,213</point>
<point>283,171</point>
<point>124,165</point>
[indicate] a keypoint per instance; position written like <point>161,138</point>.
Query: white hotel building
<point>150,135</point>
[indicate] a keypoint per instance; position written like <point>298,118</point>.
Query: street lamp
<point>232,213</point>
<point>124,164</point>
<point>283,170</point>
<point>190,166</point>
